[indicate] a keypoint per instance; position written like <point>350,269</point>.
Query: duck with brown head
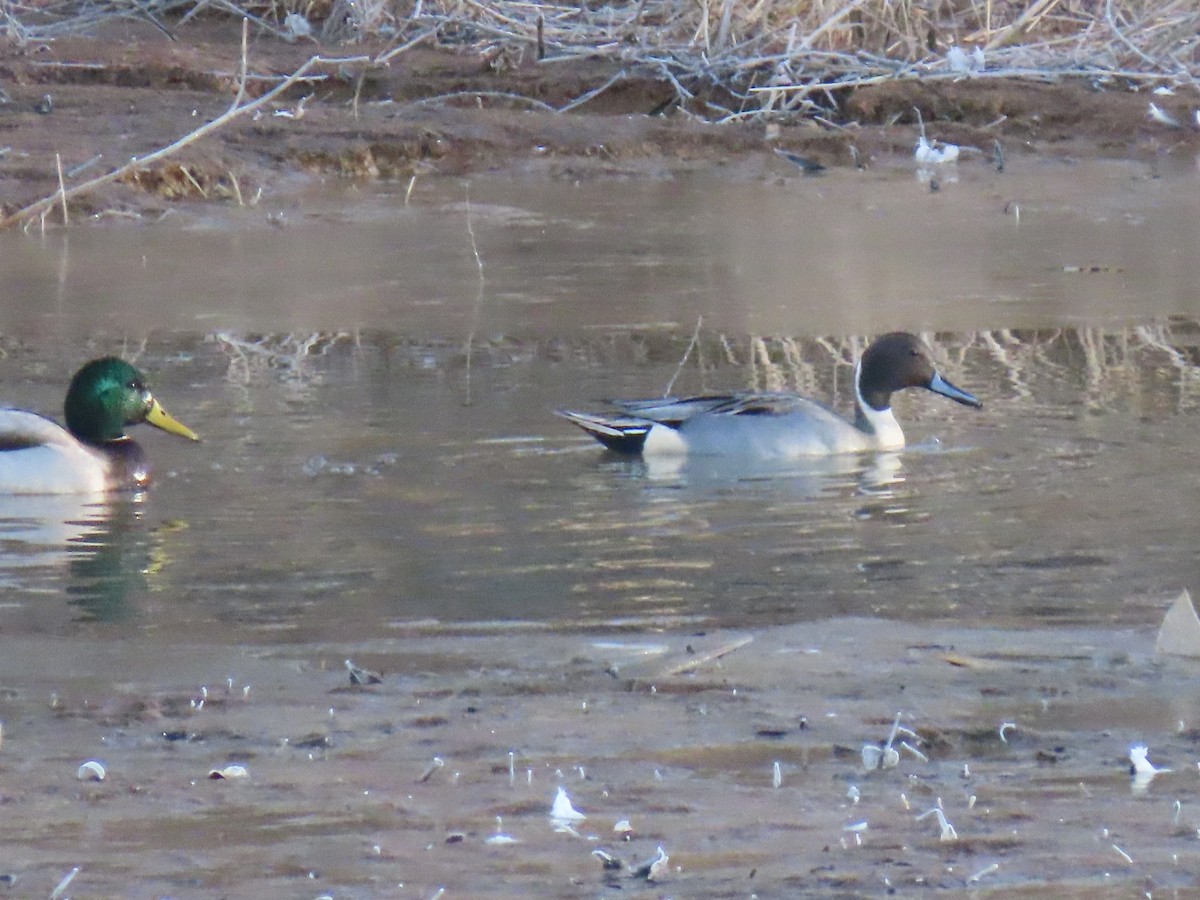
<point>778,425</point>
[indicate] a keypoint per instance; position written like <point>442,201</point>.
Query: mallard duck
<point>777,425</point>
<point>93,453</point>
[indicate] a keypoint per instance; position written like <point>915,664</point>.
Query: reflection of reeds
<point>1101,364</point>
<point>286,352</point>
<point>287,357</point>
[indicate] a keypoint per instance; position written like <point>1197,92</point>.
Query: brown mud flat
<point>740,754</point>
<point>96,102</point>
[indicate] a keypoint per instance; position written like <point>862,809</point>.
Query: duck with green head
<point>93,453</point>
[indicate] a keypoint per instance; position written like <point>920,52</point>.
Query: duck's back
<point>39,456</point>
<point>804,428</point>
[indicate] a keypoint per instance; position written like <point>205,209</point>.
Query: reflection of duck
<point>111,566</point>
<point>94,547</point>
<point>777,425</point>
<point>93,453</point>
<point>41,530</point>
<point>807,476</point>
<point>87,535</point>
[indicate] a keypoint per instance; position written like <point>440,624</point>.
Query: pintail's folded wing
<point>674,411</point>
<point>627,433</point>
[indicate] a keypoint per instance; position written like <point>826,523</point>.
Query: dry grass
<point>762,56</point>
<point>726,59</point>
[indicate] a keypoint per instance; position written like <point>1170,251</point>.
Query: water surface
<point>381,477</point>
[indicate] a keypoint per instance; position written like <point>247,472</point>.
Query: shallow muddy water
<point>382,479</point>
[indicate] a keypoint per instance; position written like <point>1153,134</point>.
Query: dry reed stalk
<point>479,95</point>
<point>1025,22</point>
<point>384,58</point>
<point>62,188</point>
<point>802,48</point>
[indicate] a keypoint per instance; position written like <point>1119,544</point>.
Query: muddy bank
<point>740,754</point>
<point>96,102</point>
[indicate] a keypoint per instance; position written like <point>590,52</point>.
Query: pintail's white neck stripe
<point>858,397</point>
<point>881,424</point>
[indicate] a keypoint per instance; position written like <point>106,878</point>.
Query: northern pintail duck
<point>777,425</point>
<point>93,453</point>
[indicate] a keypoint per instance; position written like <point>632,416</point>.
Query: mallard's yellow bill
<point>160,418</point>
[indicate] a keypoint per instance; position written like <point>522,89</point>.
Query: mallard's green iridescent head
<point>107,395</point>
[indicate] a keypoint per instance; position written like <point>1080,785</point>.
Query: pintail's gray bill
<point>940,385</point>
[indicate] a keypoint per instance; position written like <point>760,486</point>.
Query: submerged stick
<point>706,656</point>
<point>478,297</point>
<point>62,885</point>
<point>686,353</point>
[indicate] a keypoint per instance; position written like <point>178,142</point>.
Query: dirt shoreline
<point>95,102</point>
<point>740,753</point>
